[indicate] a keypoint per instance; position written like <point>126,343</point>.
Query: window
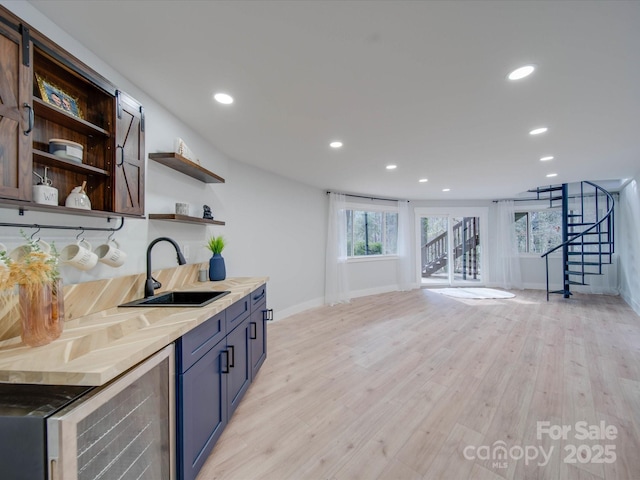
<point>372,233</point>
<point>538,231</point>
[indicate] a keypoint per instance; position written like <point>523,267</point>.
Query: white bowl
<point>66,149</point>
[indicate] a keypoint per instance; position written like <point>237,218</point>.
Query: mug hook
<point>38,228</point>
<point>80,234</point>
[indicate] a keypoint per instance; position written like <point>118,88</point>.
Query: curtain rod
<point>369,197</point>
<point>534,199</point>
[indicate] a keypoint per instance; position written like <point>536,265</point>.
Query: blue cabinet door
<point>202,410</point>
<point>239,376</point>
<point>258,338</point>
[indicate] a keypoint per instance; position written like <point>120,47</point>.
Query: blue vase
<point>217,270</point>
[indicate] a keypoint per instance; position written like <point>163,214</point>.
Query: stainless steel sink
<point>177,299</point>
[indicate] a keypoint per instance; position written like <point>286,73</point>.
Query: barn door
<point>16,114</point>
<point>129,169</point>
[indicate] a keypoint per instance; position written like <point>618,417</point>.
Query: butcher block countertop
<point>96,348</point>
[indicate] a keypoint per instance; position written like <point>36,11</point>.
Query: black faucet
<point>151,283</point>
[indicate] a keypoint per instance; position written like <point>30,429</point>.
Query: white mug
<point>79,255</point>
<point>110,254</point>
<point>18,253</point>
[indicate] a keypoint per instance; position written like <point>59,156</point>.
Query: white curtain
<point>336,289</point>
<point>507,262</point>
<point>406,265</point>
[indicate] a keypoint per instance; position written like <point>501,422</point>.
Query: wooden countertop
<point>96,348</point>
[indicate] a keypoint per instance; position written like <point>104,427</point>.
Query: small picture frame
<point>56,97</point>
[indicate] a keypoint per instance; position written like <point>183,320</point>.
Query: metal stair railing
<point>435,254</point>
<point>579,239</point>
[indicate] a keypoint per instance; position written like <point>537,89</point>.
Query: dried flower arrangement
<point>40,296</point>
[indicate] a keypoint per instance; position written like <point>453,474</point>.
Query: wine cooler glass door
<point>122,431</point>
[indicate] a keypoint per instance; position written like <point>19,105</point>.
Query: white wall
<point>275,226</point>
<point>628,243</point>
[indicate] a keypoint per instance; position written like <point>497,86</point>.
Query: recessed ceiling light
<point>538,131</point>
<point>423,180</point>
<point>552,175</point>
<point>335,144</point>
<point>547,158</point>
<point>391,167</point>
<point>223,98</point>
<point>446,189</point>
<point>521,72</point>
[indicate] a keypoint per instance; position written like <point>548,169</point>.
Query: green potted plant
<point>217,270</point>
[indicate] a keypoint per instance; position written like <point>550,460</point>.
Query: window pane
<point>522,219</point>
<point>371,233</point>
<point>546,230</point>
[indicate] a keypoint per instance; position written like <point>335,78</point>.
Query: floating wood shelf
<point>173,217</point>
<point>186,166</point>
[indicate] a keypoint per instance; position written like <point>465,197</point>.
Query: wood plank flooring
<point>416,385</point>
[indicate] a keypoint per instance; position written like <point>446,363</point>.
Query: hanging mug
<point>79,255</point>
<point>110,254</point>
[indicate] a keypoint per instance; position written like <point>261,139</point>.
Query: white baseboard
<point>632,302</point>
<point>301,307</point>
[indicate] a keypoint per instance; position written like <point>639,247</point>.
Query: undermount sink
<point>177,299</point>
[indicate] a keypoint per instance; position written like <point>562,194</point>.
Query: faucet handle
<point>156,284</point>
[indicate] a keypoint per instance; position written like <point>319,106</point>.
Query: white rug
<point>476,293</point>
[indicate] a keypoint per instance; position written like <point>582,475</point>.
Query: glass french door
<point>450,250</point>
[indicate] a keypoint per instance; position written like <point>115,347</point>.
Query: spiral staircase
<point>587,232</point>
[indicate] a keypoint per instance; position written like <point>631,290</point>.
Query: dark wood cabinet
<point>215,367</point>
<point>16,114</point>
<point>129,164</point>
<point>46,93</point>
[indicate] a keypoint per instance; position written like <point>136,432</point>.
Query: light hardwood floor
<point>402,385</point>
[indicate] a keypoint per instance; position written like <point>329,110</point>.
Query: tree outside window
<point>538,231</point>
<point>371,233</point>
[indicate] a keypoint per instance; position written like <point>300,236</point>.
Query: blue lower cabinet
<point>258,337</point>
<point>239,376</point>
<point>211,385</point>
<point>202,410</point>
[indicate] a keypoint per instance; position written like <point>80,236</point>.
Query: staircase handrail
<point>583,233</point>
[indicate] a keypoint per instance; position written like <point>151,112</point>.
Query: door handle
<point>233,356</point>
<point>31,118</point>
<point>225,369</point>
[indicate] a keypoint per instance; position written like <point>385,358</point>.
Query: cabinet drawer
<point>237,312</point>
<point>258,296</point>
<point>193,345</point>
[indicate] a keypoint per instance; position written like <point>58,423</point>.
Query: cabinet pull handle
<point>31,118</point>
<point>259,296</point>
<point>233,356</point>
<point>267,315</point>
<point>225,369</point>
<point>253,332</point>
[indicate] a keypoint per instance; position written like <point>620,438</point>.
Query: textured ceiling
<point>418,84</point>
